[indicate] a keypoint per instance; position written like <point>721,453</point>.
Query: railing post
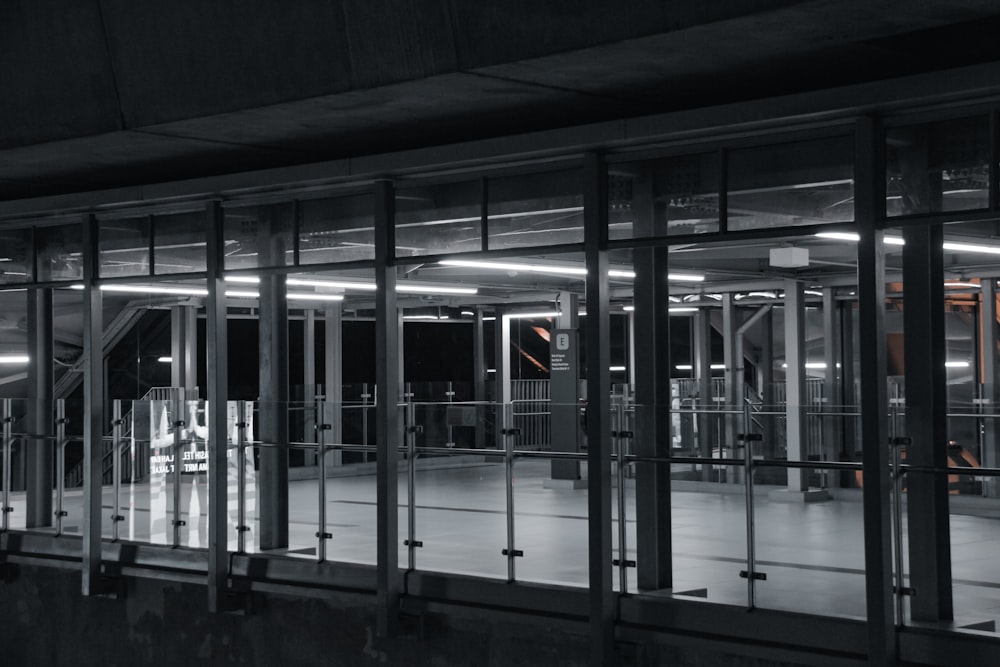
<point>178,424</point>
<point>411,472</point>
<point>61,464</point>
<point>116,467</point>
<point>241,479</point>
<point>8,419</point>
<point>508,443</point>
<point>321,535</point>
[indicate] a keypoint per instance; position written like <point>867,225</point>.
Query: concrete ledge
<point>807,496</point>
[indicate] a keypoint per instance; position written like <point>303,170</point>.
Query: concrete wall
<point>44,621</point>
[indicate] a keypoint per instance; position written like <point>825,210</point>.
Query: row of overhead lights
<point>898,240</point>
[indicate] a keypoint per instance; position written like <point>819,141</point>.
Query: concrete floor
<point>812,554</point>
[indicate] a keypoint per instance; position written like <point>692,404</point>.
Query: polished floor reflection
<point>811,553</point>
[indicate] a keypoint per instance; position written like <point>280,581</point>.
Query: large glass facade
<point>733,465</point>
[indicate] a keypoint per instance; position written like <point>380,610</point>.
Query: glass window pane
<point>338,229</point>
<point>181,243</point>
<point>15,256</point>
<point>439,218</point>
<point>792,184</point>
<point>535,209</point>
<point>259,236</point>
<point>938,167</point>
<point>60,253</point>
<point>674,195</point>
<point>124,247</point>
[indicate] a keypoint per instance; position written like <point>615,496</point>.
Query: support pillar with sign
<point>565,410</point>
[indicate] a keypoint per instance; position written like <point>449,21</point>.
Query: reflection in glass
<point>124,247</point>
<point>438,218</point>
<point>60,252</point>
<point>786,185</point>
<point>336,229</point>
<point>535,209</point>
<point>180,241</point>
<point>675,195</point>
<point>936,167</point>
<point>15,258</point>
<point>259,236</point>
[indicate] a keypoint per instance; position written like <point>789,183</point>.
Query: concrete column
<point>564,388</point>
<point>926,423</point>
<point>479,376</point>
<point>733,358</point>
<point>795,383</point>
<point>703,371</point>
<point>990,394</point>
<point>39,454</point>
<point>832,425</point>
<point>273,359</point>
<point>334,373</point>
<point>184,349</point>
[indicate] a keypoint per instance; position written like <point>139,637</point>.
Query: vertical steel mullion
<point>93,398</point>
<point>151,220</point>
<point>598,356</point>
<point>217,417</point>
<point>387,415</point>
<point>869,182</point>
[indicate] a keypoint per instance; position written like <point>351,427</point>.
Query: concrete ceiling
<point>106,93</point>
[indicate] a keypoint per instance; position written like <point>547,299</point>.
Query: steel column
<point>184,348</point>
<point>703,371</point>
<point>795,383</point>
<point>479,376</point>
<point>387,435</point>
<point>273,477</point>
<point>654,558</point>
<point>334,374</point>
<point>926,423</point>
<point>38,511</point>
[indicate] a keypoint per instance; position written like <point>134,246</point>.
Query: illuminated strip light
<point>628,309</point>
<point>425,317</point>
<point>354,285</point>
<point>956,364</point>
<point>617,369</point>
<point>14,359</point>
<point>200,291</point>
<point>683,309</point>
<point>523,316</point>
<point>560,270</point>
<point>166,360</point>
<point>689,367</point>
<point>971,247</point>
